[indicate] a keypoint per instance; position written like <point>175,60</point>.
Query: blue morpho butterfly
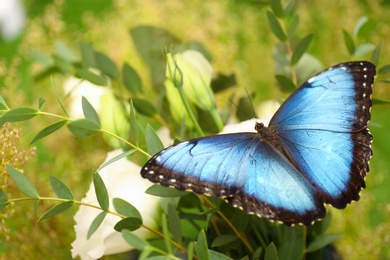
<point>315,150</point>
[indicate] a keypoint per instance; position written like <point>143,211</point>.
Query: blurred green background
<point>237,35</point>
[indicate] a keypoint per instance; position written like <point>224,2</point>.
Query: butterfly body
<point>315,150</point>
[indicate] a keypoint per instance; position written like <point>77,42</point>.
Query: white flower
<point>265,111</point>
<point>76,89</point>
<point>12,19</point>
<point>123,180</point>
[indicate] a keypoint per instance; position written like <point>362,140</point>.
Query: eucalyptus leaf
<point>153,142</point>
<point>271,253</point>
<point>3,103</point>
<point>161,191</point>
<point>277,8</point>
<point>89,111</point>
<point>101,192</point>
<point>223,240</point>
<point>129,224</point>
<point>106,65</point>
<point>173,220</point>
<point>131,79</point>
<point>86,74</point>
<point>65,52</point>
<point>22,182</point>
<point>63,65</point>
<point>285,83</point>
<point>133,123</point>
<point>134,240</point>
<point>19,114</point>
<point>363,49</point>
<point>322,241</point>
<point>88,55</point>
<point>301,48</point>
<point>3,200</point>
<point>40,103</point>
<point>126,209</point>
<point>84,127</point>
<point>96,223</point>
<point>56,210</point>
<point>276,27</point>
<point>49,130</point>
<point>349,43</point>
<point>376,54</point>
<point>201,246</point>
<point>60,189</point>
<point>144,107</point>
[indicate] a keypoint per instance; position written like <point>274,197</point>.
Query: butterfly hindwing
<point>245,169</point>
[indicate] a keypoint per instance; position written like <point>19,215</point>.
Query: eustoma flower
<point>122,180</point>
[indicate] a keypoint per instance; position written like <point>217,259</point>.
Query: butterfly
<point>315,151</point>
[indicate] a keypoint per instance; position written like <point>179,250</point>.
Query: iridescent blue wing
<point>245,169</point>
<point>323,129</point>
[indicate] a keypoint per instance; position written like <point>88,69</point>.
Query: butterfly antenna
<point>250,101</point>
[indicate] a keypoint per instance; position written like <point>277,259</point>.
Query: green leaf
<point>153,142</point>
<point>293,244</point>
<point>134,240</point>
<point>60,189</point>
<point>19,114</point>
<point>322,241</point>
<point>3,200</point>
<point>126,209</point>
<point>58,97</point>
<point>293,27</point>
<point>376,54</point>
<point>88,111</point>
<point>173,223</point>
<point>131,79</point>
<point>201,246</point>
<point>86,74</point>
<point>22,182</point>
<point>106,65</point>
<point>65,52</point>
<point>88,56</point>
<point>223,81</point>
<point>96,224</point>
<point>149,41</point>
<point>144,107</point>
<point>277,8</point>
<point>133,123</point>
<point>84,127</point>
<point>40,103</point>
<point>49,130</point>
<point>129,224</point>
<point>301,48</point>
<point>384,69</point>
<point>276,27</point>
<point>285,83</point>
<point>223,240</point>
<point>63,65</point>
<point>3,103</point>
<point>363,49</point>
<point>161,191</point>
<point>101,192</point>
<point>349,43</point>
<point>214,255</point>
<point>116,158</point>
<point>364,27</point>
<point>166,236</point>
<point>271,253</point>
<point>56,210</point>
